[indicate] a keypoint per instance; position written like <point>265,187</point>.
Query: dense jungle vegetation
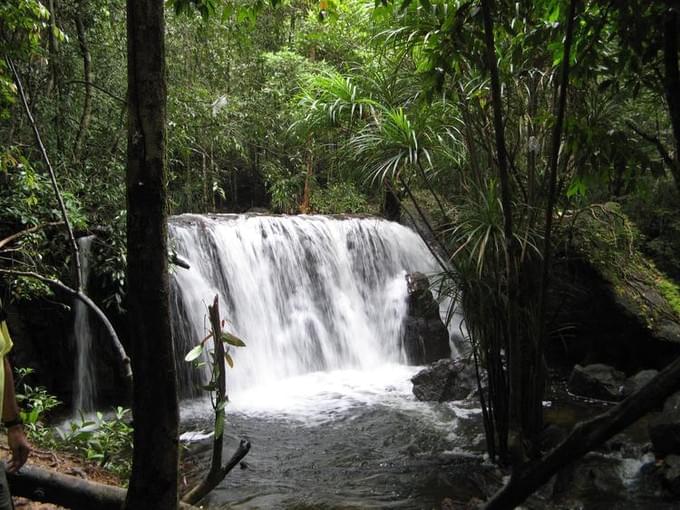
<point>511,135</point>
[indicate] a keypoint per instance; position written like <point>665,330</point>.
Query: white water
<point>85,383</point>
<point>308,295</point>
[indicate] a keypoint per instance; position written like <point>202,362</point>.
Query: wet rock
<point>426,338</point>
<point>597,381</point>
<point>444,380</point>
<point>551,436</point>
<point>664,430</point>
<point>670,473</point>
<point>594,478</point>
<point>639,380</point>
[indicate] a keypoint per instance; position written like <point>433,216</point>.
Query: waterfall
<point>305,293</point>
<point>85,383</point>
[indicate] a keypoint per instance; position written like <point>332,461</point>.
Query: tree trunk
<point>672,85</point>
<point>153,483</point>
<point>509,427</point>
<point>537,389</point>
<point>87,77</point>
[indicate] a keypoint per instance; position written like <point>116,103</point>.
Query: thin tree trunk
<point>513,338</point>
<point>672,85</point>
<point>88,78</point>
<point>50,169</point>
<point>217,472</point>
<point>154,478</point>
<point>53,48</point>
<point>536,420</point>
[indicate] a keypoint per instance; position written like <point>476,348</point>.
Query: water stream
<point>85,382</point>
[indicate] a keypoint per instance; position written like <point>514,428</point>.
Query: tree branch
<point>7,240</point>
<point>125,360</point>
<point>53,177</point>
<point>655,141</point>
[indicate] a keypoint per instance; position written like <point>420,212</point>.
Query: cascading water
<point>85,383</point>
<point>306,293</point>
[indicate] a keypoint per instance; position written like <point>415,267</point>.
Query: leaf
<point>232,340</point>
<point>194,353</point>
<point>229,361</point>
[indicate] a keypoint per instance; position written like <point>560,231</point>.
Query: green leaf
<point>229,361</point>
<point>232,340</point>
<point>194,353</point>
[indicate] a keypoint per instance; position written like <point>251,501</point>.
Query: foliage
<point>339,198</point>
<point>106,441</point>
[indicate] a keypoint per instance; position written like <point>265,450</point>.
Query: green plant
<point>107,441</point>
<point>338,198</point>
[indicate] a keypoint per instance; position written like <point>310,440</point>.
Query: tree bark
<point>538,388</point>
<point>585,436</point>
<point>68,491</point>
<point>509,427</point>
<point>154,478</point>
<point>88,78</point>
<point>672,85</point>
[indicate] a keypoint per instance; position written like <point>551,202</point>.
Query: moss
<point>605,238</point>
<point>671,292</point>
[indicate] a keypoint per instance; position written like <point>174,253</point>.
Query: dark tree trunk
<point>672,85</point>
<point>153,483</point>
<point>87,77</point>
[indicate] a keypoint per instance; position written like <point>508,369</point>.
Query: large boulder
<point>444,380</point>
<point>597,381</point>
<point>639,380</point>
<point>664,430</point>
<point>426,338</point>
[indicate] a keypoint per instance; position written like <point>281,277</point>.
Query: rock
<point>670,473</point>
<point>426,338</point>
<point>664,430</point>
<point>444,380</point>
<point>639,380</point>
<point>551,436</point>
<point>597,381</point>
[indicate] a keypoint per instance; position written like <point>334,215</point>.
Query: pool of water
<point>344,439</point>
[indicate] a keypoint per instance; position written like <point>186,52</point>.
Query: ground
<point>62,462</point>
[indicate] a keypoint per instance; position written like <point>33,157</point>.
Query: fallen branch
<point>125,360</point>
<point>215,477</point>
<point>586,436</point>
<point>68,491</point>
